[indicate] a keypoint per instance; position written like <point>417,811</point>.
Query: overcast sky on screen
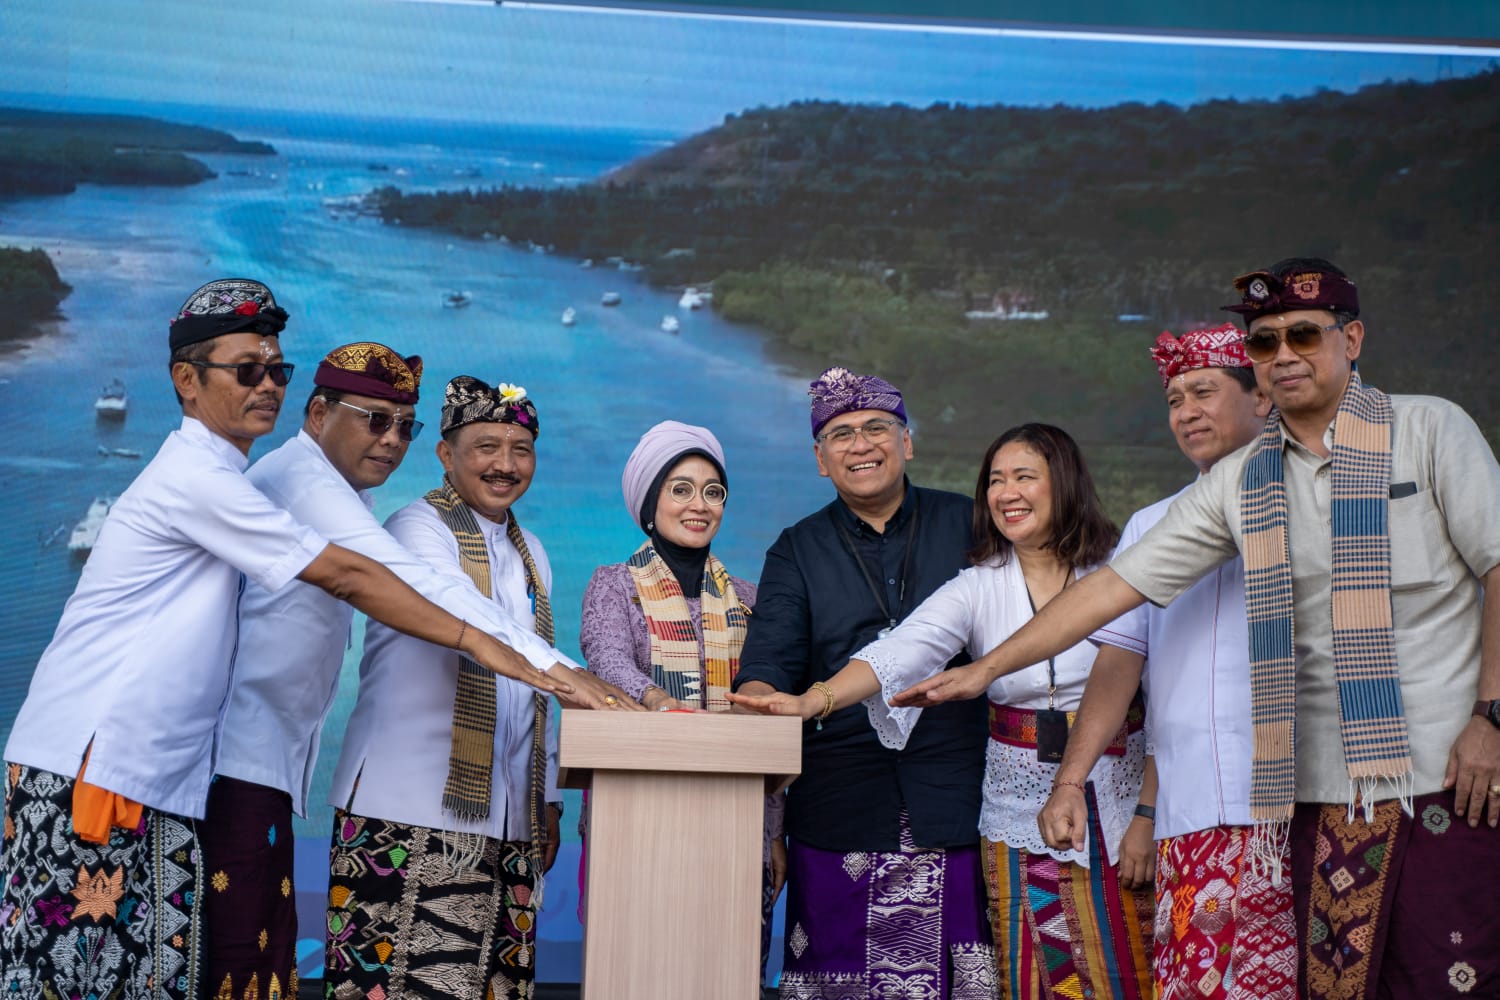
<point>534,65</point>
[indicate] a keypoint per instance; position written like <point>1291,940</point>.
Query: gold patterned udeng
<point>357,357</point>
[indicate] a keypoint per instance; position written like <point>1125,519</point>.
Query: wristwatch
<point>1489,710</point>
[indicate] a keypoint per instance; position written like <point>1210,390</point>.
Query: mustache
<point>501,477</point>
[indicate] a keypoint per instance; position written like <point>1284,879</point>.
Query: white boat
<point>569,316</point>
<point>111,403</point>
<point>456,300</point>
<point>118,452</point>
<point>669,324</point>
<point>691,299</point>
<point>609,299</point>
<point>86,532</point>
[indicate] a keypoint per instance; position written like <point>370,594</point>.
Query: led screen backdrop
<point>999,222</point>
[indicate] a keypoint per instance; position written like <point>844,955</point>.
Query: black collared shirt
<point>814,609</point>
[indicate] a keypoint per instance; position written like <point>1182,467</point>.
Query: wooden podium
<point>675,840</point>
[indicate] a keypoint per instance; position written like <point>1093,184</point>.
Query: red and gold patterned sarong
<point>1222,929</point>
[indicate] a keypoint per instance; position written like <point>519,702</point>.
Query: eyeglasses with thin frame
<point>407,428</point>
<point>250,373</point>
<point>876,431</point>
<point>1303,338</point>
<point>713,494</point>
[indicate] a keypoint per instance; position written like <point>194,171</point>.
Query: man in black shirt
<point>884,892</point>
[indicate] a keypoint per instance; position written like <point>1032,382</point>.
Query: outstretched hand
<point>779,703</point>
<point>588,691</point>
<point>494,655</point>
<point>957,684</point>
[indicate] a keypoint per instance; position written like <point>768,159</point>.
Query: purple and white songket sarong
<point>875,924</point>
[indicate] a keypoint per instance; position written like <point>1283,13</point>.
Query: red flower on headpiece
<point>248,308</point>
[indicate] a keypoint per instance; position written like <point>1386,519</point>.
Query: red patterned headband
<point>1216,347</point>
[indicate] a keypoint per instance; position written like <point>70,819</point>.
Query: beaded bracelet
<point>1059,783</point>
<point>463,629</point>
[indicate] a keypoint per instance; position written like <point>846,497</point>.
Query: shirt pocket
<point>1418,543</point>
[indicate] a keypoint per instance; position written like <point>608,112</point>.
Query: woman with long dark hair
<point>1063,925</point>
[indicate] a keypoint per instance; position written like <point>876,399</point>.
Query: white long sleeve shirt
<point>976,611</point>
<point>292,642</point>
<point>395,756</point>
<point>141,661</point>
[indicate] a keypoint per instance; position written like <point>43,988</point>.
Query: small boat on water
<point>569,316</point>
<point>691,299</point>
<point>86,531</point>
<point>118,452</point>
<point>456,300</point>
<point>609,299</point>
<point>670,324</point>
<point>112,403</point>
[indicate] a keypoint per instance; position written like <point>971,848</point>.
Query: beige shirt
<point>1444,537</point>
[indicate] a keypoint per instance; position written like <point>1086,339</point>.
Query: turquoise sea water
<point>132,254</point>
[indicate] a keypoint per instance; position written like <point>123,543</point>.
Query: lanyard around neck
<point>875,591</point>
<point>1051,661</point>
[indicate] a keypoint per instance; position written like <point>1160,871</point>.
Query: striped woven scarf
<point>471,758</point>
<point>675,667</point>
<point>1373,722</point>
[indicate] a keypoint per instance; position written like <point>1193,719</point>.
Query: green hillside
<point>45,152</point>
<point>863,234</point>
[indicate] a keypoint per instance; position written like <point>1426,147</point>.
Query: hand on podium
<point>779,703</point>
<point>589,691</point>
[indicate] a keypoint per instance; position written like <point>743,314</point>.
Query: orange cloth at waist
<point>96,810</point>
<point>1017,726</point>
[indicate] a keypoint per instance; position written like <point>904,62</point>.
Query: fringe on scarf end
<point>1268,848</point>
<point>1365,791</point>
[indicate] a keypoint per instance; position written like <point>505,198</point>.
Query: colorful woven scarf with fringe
<point>471,758</point>
<point>675,667</point>
<point>1373,721</point>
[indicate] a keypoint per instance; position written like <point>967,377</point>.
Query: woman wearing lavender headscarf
<point>666,625</point>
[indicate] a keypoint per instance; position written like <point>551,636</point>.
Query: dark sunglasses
<point>407,428</point>
<point>1303,338</point>
<point>250,373</point>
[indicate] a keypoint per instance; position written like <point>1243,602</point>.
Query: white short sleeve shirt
<point>1197,681</point>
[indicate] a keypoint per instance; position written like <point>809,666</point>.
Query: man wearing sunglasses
<point>113,751</point>
<point>1367,526</point>
<point>357,425</point>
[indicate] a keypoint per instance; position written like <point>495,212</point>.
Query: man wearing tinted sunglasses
<point>357,425</point>
<point>113,751</point>
<point>1367,527</point>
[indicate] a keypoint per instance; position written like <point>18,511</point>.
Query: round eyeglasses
<point>682,491</point>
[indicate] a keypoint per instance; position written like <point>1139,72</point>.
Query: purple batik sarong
<point>873,924</point>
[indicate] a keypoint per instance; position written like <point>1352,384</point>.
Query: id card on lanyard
<point>1051,724</point>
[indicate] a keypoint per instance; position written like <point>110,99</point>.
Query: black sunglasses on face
<point>250,373</point>
<point>1303,338</point>
<point>407,428</point>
